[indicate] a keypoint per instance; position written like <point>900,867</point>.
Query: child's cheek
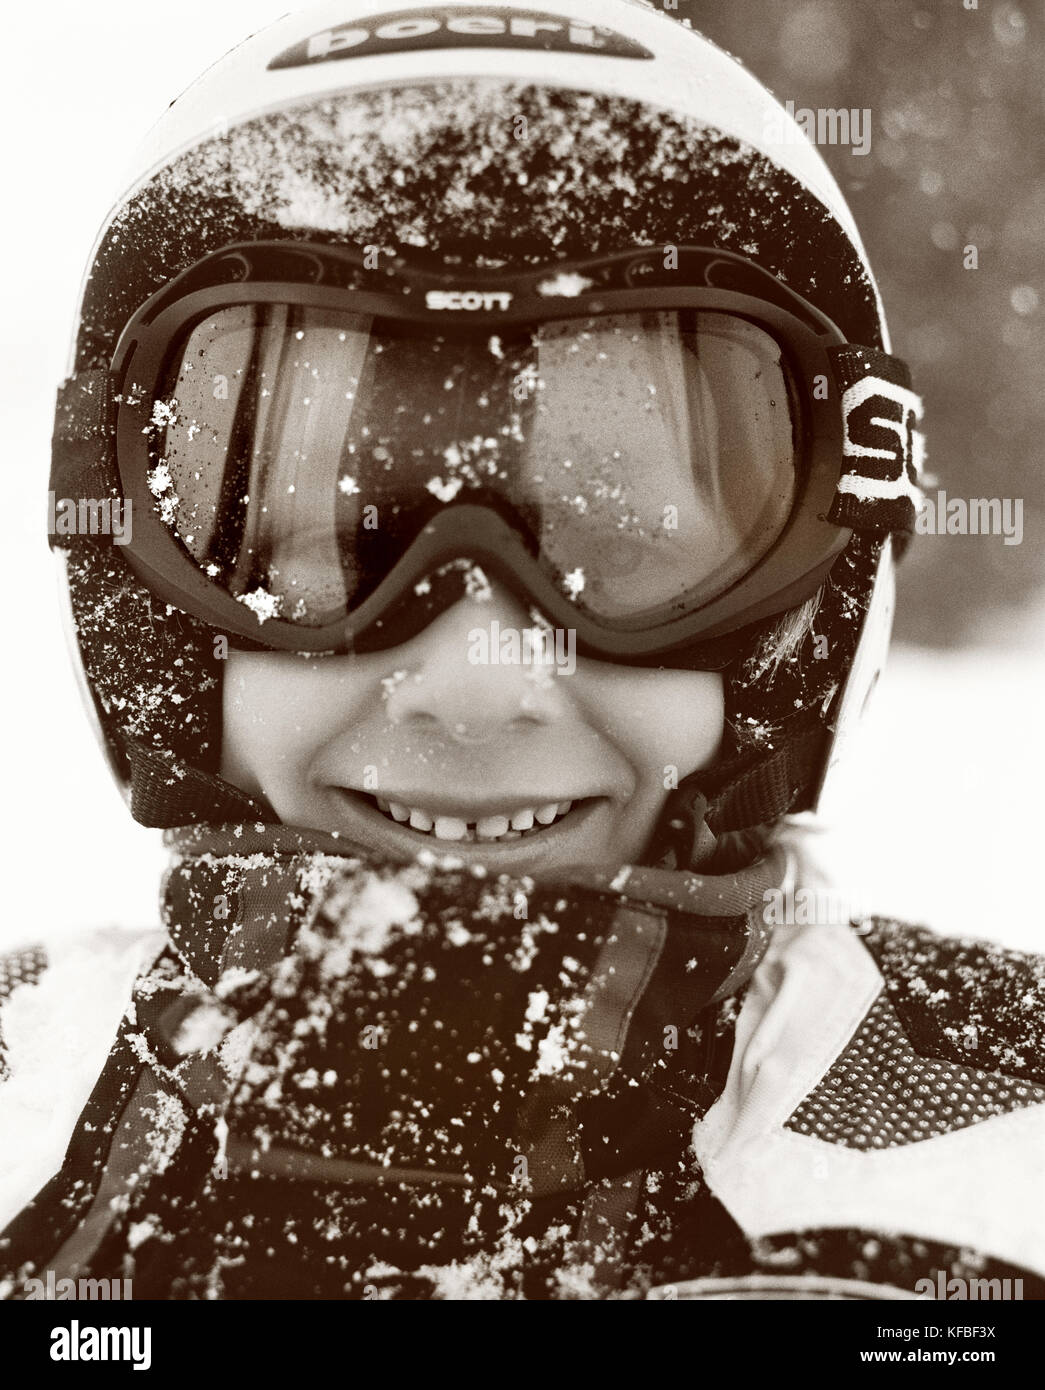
<point>659,720</point>
<point>278,711</point>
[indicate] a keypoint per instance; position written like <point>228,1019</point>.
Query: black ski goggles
<point>318,451</point>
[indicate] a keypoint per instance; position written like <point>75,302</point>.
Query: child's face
<point>420,747</point>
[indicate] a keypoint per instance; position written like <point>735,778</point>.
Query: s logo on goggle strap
<point>459,27</point>
<point>881,431</point>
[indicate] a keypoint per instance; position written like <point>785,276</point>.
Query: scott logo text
<point>468,299</point>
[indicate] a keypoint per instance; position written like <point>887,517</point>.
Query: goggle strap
<point>883,449</point>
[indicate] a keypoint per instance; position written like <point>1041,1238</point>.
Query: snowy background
<point>941,808</point>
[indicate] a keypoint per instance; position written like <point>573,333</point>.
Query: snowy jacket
<point>867,1121</point>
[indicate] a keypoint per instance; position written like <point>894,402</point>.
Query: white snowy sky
<point>952,840</point>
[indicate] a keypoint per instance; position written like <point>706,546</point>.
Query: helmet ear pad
<point>776,679</point>
<point>155,672</point>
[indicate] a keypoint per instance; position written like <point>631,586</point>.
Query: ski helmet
<point>471,171</point>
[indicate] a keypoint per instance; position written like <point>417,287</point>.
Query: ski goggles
<point>320,452</point>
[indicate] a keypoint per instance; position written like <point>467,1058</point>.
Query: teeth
<point>490,827</point>
<point>449,828</point>
<point>487,828</point>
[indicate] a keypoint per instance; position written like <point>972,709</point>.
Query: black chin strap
<point>712,821</point>
<point>167,791</point>
<point>754,789</point>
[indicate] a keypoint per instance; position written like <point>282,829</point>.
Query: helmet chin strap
<point>166,791</point>
<point>713,822</point>
<point>718,817</point>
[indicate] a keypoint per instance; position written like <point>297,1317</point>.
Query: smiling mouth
<point>525,823</point>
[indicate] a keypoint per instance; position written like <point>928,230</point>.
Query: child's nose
<point>477,673</point>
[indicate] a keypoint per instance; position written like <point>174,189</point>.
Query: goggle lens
<point>649,459</point>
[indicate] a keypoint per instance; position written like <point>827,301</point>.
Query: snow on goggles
<point>634,445</point>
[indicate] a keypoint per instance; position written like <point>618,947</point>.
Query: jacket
<point>863,1118</point>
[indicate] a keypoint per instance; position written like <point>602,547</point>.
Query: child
<point>514,461</point>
